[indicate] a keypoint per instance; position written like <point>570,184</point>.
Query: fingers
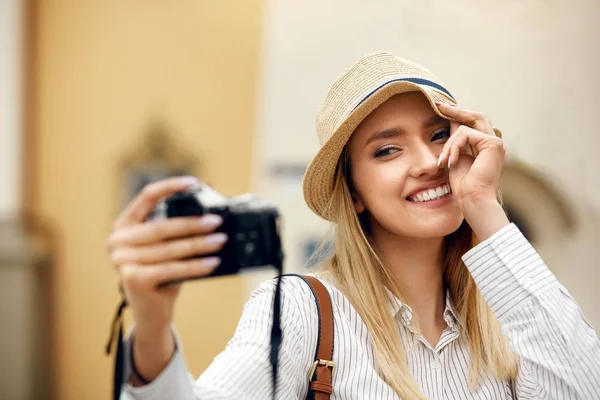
<point>149,277</point>
<point>464,139</point>
<point>162,230</point>
<point>454,154</point>
<point>169,251</point>
<point>141,206</point>
<point>467,117</point>
<point>459,142</point>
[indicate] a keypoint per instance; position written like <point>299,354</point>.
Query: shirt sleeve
<point>559,350</point>
<point>243,369</point>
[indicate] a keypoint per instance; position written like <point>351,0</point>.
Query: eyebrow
<point>396,131</point>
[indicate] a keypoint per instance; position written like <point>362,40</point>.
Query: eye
<point>386,151</point>
<point>443,134</point>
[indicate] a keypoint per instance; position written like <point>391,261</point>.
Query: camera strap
<point>116,339</point>
<point>276,334</point>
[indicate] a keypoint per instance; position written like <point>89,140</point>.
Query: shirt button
<point>436,365</point>
<point>528,281</point>
<point>502,248</point>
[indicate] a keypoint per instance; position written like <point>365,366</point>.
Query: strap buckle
<point>326,363</point>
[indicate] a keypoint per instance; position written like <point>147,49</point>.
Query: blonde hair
<point>361,275</point>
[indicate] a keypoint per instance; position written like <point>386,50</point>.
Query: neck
<point>416,265</point>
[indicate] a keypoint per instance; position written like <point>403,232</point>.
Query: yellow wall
<point>105,69</point>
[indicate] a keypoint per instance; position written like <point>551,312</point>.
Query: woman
<point>435,294</point>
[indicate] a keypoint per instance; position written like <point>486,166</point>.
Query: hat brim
<point>319,178</point>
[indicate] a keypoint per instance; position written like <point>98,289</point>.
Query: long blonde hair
<point>361,275</point>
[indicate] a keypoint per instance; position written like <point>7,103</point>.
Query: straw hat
<point>371,81</point>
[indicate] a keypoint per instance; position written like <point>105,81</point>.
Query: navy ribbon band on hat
<point>418,81</point>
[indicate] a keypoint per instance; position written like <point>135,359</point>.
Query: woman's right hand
<point>147,253</point>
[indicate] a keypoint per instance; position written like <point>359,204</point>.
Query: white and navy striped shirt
<point>558,349</point>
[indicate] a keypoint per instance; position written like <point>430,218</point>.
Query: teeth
<point>432,194</point>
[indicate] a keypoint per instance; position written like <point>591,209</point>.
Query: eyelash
<point>446,131</point>
<point>381,152</point>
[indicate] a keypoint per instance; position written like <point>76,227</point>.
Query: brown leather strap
<point>320,382</point>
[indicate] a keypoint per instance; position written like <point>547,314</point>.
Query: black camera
<point>253,228</point>
<point>251,224</point>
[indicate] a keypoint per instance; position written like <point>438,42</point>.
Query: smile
<point>431,194</point>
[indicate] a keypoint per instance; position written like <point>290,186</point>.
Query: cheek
<point>381,182</point>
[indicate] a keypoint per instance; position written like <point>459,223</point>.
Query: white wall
<point>10,105</point>
<point>531,66</point>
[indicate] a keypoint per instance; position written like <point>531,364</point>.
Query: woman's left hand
<point>475,157</point>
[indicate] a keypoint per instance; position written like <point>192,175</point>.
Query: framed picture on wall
<point>156,157</point>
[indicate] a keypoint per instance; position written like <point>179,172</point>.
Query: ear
<point>359,206</point>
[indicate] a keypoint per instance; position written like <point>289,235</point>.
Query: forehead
<point>402,110</point>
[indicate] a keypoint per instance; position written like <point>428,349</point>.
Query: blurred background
<point>99,97</point>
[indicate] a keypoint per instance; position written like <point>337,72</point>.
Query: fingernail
<point>210,262</point>
<point>189,180</point>
<point>210,220</point>
<point>217,238</point>
<point>449,161</point>
<point>440,159</point>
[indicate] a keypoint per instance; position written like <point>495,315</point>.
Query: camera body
<point>251,224</point>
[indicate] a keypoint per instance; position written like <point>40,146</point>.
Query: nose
<point>424,161</point>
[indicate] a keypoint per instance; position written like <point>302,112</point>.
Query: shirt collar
<point>405,313</point>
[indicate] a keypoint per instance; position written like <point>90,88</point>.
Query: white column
<point>19,321</point>
<point>10,105</point>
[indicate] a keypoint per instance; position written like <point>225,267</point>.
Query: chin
<point>435,224</point>
<point>432,227</point>
<point>441,230</point>
<point>418,223</point>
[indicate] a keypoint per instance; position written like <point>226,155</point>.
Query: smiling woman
<point>393,156</point>
<point>435,294</point>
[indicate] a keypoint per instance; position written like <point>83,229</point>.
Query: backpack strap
<point>321,372</point>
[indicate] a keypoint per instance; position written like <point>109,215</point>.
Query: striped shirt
<point>559,351</point>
